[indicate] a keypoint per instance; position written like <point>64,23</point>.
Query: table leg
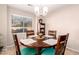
<point>38,51</point>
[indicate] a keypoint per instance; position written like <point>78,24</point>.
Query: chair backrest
<point>61,44</point>
<point>30,32</point>
<point>52,33</point>
<point>16,45</point>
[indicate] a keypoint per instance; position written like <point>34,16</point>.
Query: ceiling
<point>30,7</point>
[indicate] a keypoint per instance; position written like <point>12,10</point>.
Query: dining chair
<point>59,48</point>
<point>52,33</point>
<point>30,33</point>
<point>23,51</point>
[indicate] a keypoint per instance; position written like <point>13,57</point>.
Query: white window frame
<point>23,23</point>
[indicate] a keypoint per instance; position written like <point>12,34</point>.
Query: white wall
<point>66,20</point>
<point>3,23</point>
<point>11,11</point>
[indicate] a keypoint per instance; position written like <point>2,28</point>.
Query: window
<point>20,23</point>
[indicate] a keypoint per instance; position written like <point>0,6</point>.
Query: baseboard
<point>73,49</point>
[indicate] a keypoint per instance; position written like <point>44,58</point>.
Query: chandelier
<point>42,11</point>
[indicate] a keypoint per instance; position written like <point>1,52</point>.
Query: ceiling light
<point>37,11</point>
<point>45,11</point>
<point>41,11</point>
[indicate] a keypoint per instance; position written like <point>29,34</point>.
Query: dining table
<point>38,43</point>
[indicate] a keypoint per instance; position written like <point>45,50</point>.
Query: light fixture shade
<point>42,11</point>
<point>45,11</point>
<point>37,11</point>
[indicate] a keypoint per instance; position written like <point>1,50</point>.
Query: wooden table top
<point>38,44</point>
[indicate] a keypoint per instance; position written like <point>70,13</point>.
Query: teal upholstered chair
<point>48,51</point>
<point>23,51</point>
<point>59,48</point>
<point>28,51</point>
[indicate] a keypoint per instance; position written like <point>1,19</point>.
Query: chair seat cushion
<point>28,51</point>
<point>48,51</point>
